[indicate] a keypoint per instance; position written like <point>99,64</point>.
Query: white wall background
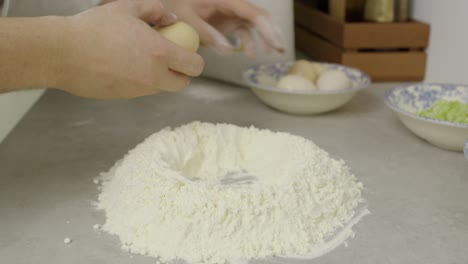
<point>448,51</point>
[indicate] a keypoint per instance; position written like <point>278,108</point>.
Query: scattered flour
<point>166,197</point>
<point>82,123</point>
<point>204,90</point>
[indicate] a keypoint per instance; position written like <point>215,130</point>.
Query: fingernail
<point>279,40</point>
<point>168,19</point>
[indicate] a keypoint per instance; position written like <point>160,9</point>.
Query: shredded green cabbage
<point>452,111</point>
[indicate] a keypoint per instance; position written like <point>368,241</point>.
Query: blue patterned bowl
<point>408,100</point>
<point>262,79</point>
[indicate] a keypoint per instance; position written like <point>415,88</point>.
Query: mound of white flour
<point>173,196</point>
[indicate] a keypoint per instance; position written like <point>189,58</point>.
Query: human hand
<point>111,52</point>
<point>214,19</point>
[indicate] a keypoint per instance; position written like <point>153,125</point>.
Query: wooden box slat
<point>389,66</point>
<point>318,22</point>
<point>386,35</point>
<point>360,35</point>
<point>381,66</point>
<point>386,51</point>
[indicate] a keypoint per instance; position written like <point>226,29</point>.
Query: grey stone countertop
<point>417,193</point>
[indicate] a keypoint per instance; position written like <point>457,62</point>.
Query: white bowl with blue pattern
<point>262,79</point>
<point>408,100</point>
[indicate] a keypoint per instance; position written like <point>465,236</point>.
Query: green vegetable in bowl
<point>452,111</point>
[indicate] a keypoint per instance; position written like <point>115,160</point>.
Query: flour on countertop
<point>207,92</point>
<point>166,199</point>
<point>83,122</point>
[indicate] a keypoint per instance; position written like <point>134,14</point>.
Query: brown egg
<point>305,69</point>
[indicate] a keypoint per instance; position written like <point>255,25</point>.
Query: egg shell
<point>319,68</point>
<point>181,34</point>
<point>332,80</point>
<point>295,82</point>
<point>305,69</point>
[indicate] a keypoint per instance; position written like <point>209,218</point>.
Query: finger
<point>267,49</point>
<point>269,33</point>
<point>168,19</point>
<point>225,25</point>
<point>211,37</point>
<point>248,41</point>
<point>181,60</point>
<point>174,81</point>
<point>240,8</point>
<point>151,11</point>
<point>238,34</point>
<point>258,18</point>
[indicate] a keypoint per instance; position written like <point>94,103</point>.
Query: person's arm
<point>30,49</point>
<point>106,52</point>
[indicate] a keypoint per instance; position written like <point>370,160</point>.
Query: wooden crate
<point>386,51</point>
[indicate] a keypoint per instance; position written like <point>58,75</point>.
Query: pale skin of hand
<point>214,19</point>
<point>106,52</point>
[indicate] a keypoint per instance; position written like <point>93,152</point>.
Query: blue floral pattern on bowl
<point>411,99</point>
<point>266,76</point>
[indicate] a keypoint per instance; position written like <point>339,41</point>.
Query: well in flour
<point>168,197</point>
